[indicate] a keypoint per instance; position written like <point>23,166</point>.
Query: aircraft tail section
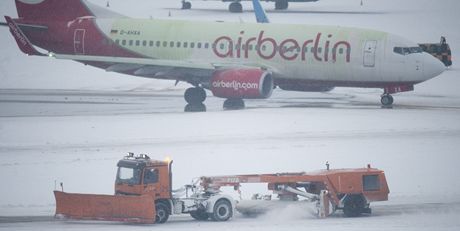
<point>52,10</point>
<point>60,10</point>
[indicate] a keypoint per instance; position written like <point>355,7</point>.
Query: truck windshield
<point>129,175</point>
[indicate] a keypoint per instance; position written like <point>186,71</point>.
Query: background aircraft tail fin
<point>58,10</point>
<point>261,15</point>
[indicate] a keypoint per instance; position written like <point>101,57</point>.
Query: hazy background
<point>77,135</point>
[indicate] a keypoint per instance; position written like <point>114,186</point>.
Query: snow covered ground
<point>77,133</point>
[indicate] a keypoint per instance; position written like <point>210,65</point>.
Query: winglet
<point>23,42</point>
<point>261,16</point>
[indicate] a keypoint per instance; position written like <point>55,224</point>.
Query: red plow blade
<point>135,209</point>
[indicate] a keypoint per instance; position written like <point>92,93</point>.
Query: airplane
<point>233,60</point>
<point>236,7</point>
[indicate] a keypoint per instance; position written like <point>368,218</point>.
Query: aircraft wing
<point>195,71</point>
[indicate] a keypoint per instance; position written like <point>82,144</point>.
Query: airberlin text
<point>235,85</point>
<point>289,49</point>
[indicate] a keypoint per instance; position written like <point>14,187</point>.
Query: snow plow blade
<point>133,209</point>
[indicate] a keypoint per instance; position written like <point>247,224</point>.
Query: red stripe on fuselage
<point>363,84</point>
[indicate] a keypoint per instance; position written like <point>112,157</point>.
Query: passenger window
<point>178,44</point>
<point>117,42</point>
<point>158,43</point>
<point>171,44</point>
<point>165,44</point>
<point>150,176</point>
<point>123,42</point>
<point>131,42</point>
<point>144,43</point>
<point>206,45</point>
<point>151,43</point>
<point>138,43</point>
<point>192,45</point>
<point>185,44</point>
<point>198,45</point>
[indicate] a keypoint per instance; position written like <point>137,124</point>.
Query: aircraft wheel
<point>234,104</point>
<point>386,100</point>
<point>222,210</point>
<point>186,5</point>
<point>162,213</point>
<point>235,7</point>
<point>199,215</point>
<point>281,4</point>
<point>353,205</point>
<point>195,95</point>
<point>195,108</point>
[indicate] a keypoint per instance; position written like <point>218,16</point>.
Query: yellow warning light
<point>168,159</point>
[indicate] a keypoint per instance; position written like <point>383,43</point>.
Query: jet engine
<point>244,83</point>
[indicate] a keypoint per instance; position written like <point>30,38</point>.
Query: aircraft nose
<point>433,66</point>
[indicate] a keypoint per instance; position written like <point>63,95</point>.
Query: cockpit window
<point>407,50</point>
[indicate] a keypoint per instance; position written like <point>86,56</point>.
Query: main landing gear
<point>195,96</point>
<point>234,104</point>
<point>235,7</point>
<point>281,4</point>
<point>186,5</point>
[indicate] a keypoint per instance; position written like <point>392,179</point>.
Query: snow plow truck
<point>143,193</point>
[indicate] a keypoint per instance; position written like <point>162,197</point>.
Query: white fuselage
<point>338,55</point>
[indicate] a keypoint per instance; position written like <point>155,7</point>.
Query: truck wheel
<point>222,211</point>
<point>199,215</point>
<point>354,205</point>
<point>162,213</point>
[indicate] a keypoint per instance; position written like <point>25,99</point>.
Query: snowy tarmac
<point>76,137</point>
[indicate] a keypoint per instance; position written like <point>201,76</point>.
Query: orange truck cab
<point>144,176</point>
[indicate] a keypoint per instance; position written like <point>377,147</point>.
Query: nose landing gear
<point>386,100</point>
